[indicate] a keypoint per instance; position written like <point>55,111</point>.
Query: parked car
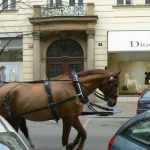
<point>9,138</point>
<point>133,135</point>
<point>144,101</point>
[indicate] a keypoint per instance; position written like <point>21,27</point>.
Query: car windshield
<point>10,141</point>
<point>146,95</point>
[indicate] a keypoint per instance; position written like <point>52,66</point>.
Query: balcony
<point>64,17</point>
<point>64,10</point>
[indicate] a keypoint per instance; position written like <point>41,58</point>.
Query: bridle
<point>112,82</point>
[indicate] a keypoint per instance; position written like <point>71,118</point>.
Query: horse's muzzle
<point>111,103</point>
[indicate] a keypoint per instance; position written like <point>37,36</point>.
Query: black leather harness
<point>50,99</point>
<point>77,86</point>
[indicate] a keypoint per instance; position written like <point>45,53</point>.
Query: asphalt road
<point>47,135</point>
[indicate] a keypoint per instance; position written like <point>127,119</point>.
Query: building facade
<point>79,35</point>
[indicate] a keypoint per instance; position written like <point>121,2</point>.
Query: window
<point>8,4</point>
<point>80,2</point>
<point>71,2</point>
<point>13,50</point>
<point>140,132</point>
<point>147,1</point>
<point>124,2</point>
<point>58,2</point>
<point>5,4</point>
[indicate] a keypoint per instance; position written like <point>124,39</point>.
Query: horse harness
<point>52,105</point>
<point>78,89</point>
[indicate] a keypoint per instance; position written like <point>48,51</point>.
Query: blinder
<point>112,83</point>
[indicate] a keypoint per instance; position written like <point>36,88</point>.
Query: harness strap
<point>77,86</point>
<point>50,99</point>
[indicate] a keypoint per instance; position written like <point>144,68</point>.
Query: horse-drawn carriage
<point>61,97</point>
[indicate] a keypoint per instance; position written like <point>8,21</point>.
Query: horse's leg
<point>14,123</point>
<point>67,122</point>
<point>24,129</point>
<point>81,135</point>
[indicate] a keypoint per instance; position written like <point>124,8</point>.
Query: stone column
<point>90,49</point>
<point>36,56</point>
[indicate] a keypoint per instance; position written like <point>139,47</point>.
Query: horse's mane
<point>62,76</point>
<point>94,71</point>
<point>83,73</point>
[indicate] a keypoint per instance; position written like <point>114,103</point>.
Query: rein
<point>52,105</point>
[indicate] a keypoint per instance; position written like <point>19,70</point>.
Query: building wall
<point>113,17</point>
<point>17,21</point>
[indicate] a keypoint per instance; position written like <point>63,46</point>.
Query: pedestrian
<point>2,73</point>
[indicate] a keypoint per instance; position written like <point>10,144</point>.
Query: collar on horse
<point>50,99</point>
<point>77,86</point>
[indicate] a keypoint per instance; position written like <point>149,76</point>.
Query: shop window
<point>8,4</point>
<point>11,49</point>
<point>147,1</point>
<point>124,2</point>
<point>11,56</point>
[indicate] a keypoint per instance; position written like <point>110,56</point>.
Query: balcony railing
<point>76,10</point>
<point>64,10</point>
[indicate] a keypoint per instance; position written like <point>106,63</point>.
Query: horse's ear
<point>117,73</point>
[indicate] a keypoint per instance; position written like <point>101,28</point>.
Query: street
<point>47,135</point>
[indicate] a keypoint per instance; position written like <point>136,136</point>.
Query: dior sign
<point>139,44</point>
<point>128,41</point>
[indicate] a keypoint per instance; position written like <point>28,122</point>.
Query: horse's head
<point>110,89</point>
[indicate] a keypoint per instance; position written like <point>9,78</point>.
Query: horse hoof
<point>69,147</point>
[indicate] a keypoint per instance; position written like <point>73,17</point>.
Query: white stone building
<point>79,34</point>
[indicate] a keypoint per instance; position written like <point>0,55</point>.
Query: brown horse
<point>25,97</point>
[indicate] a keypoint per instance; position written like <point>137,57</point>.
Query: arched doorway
<point>64,55</point>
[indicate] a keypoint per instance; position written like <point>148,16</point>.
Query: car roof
<point>142,116</point>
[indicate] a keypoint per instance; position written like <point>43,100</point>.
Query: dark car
<point>133,135</point>
<point>144,101</point>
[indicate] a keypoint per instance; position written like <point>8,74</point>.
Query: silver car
<point>144,101</point>
<point>9,138</point>
<point>133,135</point>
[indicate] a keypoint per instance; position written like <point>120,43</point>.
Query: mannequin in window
<point>147,75</point>
<point>12,76</point>
<point>2,74</point>
<point>129,82</point>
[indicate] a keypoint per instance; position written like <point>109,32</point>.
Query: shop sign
<point>128,41</point>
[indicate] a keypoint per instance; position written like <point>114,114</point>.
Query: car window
<point>140,132</point>
<point>10,141</point>
<point>147,94</point>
